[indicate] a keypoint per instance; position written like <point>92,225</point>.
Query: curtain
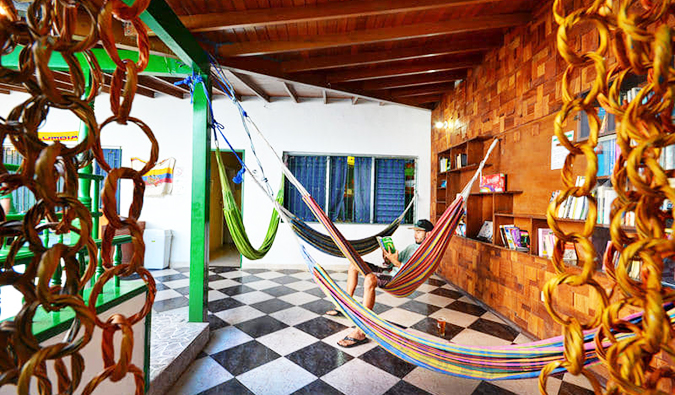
<point>389,189</point>
<point>311,172</point>
<point>338,179</point>
<point>362,182</point>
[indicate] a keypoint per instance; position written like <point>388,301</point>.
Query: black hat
<point>423,224</point>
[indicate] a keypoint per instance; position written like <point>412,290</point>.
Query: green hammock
<point>235,223</point>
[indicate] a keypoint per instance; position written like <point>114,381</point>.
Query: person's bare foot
<point>355,338</point>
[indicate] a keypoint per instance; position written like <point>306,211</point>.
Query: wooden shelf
<point>472,166</point>
<point>476,139</point>
<point>497,193</point>
<point>441,187</point>
<point>536,216</point>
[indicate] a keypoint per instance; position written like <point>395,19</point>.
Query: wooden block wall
<point>515,94</point>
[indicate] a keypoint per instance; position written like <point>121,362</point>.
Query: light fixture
<point>439,125</point>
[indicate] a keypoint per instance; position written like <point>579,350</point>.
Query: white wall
<point>310,126</point>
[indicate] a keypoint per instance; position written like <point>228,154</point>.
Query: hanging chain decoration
<point>48,29</point>
<point>641,41</point>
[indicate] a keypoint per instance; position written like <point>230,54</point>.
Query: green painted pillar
<point>199,229</point>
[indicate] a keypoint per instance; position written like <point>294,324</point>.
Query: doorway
<point>222,250</point>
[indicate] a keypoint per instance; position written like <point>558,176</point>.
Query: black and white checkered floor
<point>269,335</point>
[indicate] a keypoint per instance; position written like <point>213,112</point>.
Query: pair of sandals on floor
<point>347,341</point>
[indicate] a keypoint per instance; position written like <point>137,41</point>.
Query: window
<point>352,189</point>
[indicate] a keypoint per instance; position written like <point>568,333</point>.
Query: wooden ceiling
<point>407,52</point>
<point>389,51</point>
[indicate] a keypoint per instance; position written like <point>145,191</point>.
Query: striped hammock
<point>325,243</point>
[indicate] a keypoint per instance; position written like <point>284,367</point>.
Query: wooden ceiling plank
<point>143,91</point>
<point>12,87</point>
<point>423,99</point>
<point>160,86</point>
<point>423,90</point>
<point>218,91</point>
<point>291,92</point>
<point>252,86</point>
<point>312,13</point>
<point>5,91</point>
<point>487,22</point>
<point>388,71</point>
<point>366,58</point>
<point>413,80</point>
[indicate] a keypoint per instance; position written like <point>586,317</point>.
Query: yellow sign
<point>59,136</point>
<point>350,160</point>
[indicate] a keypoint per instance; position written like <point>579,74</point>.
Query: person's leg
<point>369,286</point>
<point>352,282</point>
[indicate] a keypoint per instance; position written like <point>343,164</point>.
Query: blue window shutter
<point>389,189</point>
<point>114,158</point>
<point>311,172</point>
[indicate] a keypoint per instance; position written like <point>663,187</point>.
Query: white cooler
<point>157,248</point>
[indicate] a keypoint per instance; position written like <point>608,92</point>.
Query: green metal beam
<point>161,19</point>
<point>157,65</point>
<point>199,228</point>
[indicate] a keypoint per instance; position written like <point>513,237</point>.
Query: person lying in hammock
<point>380,277</point>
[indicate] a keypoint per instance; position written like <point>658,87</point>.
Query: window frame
<point>373,157</point>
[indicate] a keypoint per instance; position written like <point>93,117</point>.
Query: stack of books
<point>546,243</point>
<point>515,238</point>
<point>573,207</point>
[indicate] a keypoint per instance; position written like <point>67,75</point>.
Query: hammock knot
<point>239,177</point>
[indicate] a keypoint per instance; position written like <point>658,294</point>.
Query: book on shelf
<point>444,183</point>
<point>460,230</point>
<point>444,165</point>
<point>485,233</point>
<point>573,207</point>
<point>512,238</point>
<point>633,268</point>
<point>386,243</point>
<point>546,242</point>
<point>493,183</point>
<point>461,160</point>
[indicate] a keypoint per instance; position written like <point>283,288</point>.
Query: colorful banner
<point>159,180</point>
<point>59,136</point>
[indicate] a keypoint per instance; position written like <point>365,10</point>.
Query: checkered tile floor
<point>269,335</point>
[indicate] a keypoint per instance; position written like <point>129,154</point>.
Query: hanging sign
<point>558,151</point>
<point>59,136</point>
<point>351,160</point>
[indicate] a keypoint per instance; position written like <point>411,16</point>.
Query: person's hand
<point>389,257</point>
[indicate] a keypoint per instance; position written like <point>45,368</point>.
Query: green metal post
<point>199,229</point>
<point>117,260</point>
<point>96,219</point>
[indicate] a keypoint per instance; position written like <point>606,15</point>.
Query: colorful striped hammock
<point>325,243</point>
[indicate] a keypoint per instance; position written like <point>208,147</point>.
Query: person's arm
<point>391,258</point>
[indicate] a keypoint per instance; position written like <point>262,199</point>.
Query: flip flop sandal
<point>355,342</point>
<point>334,313</point>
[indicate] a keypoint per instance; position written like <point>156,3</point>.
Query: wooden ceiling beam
<point>325,96</point>
<point>389,71</point>
<point>412,80</point>
<point>252,48</point>
<point>422,99</point>
<point>161,86</point>
<point>422,90</point>
<point>252,86</point>
<point>291,92</point>
<point>312,13</point>
<point>12,87</point>
<point>355,100</point>
<point>218,91</point>
<point>367,58</point>
<point>141,90</point>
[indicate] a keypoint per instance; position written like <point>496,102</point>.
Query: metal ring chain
<point>48,29</point>
<point>637,34</point>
